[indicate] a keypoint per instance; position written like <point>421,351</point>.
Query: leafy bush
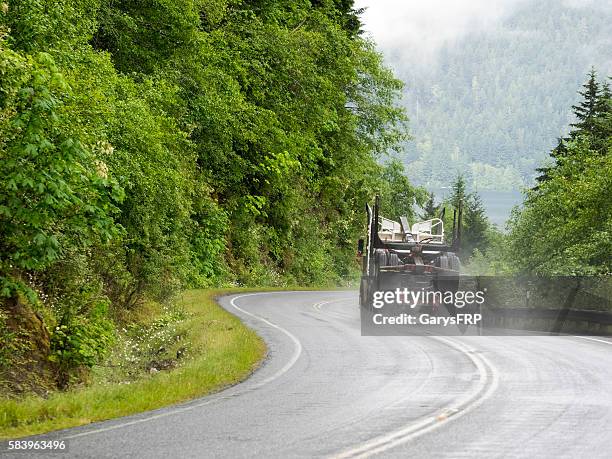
<point>81,341</point>
<point>52,196</point>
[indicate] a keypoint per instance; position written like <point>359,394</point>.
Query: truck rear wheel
<point>443,260</point>
<point>393,259</point>
<point>363,292</point>
<point>381,258</point>
<point>454,262</point>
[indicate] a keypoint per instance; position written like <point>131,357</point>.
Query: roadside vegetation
<point>206,347</point>
<point>148,148</point>
<point>477,231</point>
<point>564,226</point>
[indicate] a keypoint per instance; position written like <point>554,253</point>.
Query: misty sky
<point>398,26</point>
<point>393,23</point>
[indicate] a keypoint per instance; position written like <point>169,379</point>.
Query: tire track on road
<point>487,383</point>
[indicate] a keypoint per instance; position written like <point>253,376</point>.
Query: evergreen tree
<point>476,224</point>
<point>593,116</point>
<point>430,210</point>
<point>459,192</point>
<point>559,151</point>
<point>456,200</point>
<point>603,121</point>
<point>587,111</point>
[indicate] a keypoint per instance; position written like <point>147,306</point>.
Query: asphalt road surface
<point>326,391</point>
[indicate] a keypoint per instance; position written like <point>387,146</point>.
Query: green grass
<point>224,352</point>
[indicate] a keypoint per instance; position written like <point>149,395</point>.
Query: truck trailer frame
<point>397,255</point>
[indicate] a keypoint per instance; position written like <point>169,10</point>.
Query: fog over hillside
<point>488,84</point>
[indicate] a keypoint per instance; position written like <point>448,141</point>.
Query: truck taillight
<point>360,246</point>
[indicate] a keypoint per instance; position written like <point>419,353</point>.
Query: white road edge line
<point>296,355</point>
<point>297,351</point>
<point>594,339</point>
<point>463,406</point>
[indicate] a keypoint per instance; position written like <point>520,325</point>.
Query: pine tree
<point>430,210</point>
<point>603,103</point>
<point>594,120</point>
<point>558,152</point>
<point>476,223</point>
<point>459,192</point>
<point>603,121</point>
<point>594,114</point>
<point>588,110</point>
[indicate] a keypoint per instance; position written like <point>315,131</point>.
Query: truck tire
<point>363,293</point>
<point>381,258</point>
<point>443,262</point>
<point>454,262</point>
<point>393,259</point>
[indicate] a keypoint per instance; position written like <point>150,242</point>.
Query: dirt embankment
<point>25,344</point>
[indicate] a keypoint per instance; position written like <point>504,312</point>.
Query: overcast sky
<point>425,25</point>
<point>421,26</point>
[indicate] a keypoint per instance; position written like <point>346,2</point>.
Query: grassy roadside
<point>223,352</point>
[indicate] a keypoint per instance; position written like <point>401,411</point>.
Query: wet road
<point>326,391</point>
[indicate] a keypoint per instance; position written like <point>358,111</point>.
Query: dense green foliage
<point>565,225</point>
<point>476,230</point>
<point>147,147</point>
<point>592,122</point>
<point>398,197</point>
<point>491,103</point>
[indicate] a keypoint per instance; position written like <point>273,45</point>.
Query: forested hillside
<point>564,227</point>
<point>147,147</point>
<point>491,103</point>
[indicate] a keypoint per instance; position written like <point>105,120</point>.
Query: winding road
<point>326,391</point>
